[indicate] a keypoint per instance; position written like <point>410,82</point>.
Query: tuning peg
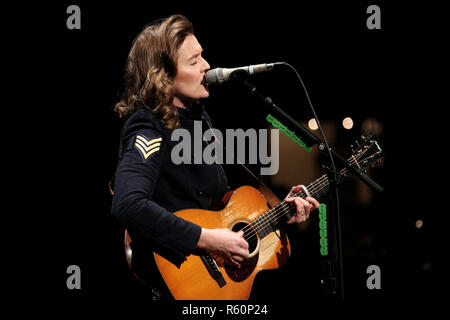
<point>355,145</point>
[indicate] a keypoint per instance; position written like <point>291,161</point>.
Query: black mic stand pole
<point>333,282</point>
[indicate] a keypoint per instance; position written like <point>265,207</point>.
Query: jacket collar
<point>195,112</point>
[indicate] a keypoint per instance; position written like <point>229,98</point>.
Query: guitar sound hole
<point>250,235</point>
<point>248,265</point>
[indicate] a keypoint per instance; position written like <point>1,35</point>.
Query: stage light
<point>419,224</point>
<point>312,124</point>
<point>347,123</point>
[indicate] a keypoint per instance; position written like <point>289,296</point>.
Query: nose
<point>206,65</point>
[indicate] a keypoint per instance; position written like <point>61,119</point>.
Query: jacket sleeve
<point>143,154</point>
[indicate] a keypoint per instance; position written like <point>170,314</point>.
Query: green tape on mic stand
<point>277,124</point>
<point>323,231</point>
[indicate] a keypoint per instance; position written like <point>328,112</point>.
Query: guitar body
<point>192,281</point>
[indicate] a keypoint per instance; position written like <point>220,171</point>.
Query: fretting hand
<point>304,206</point>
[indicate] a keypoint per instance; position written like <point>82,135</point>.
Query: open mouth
<point>204,83</point>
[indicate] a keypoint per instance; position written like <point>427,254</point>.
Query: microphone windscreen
<point>214,76</point>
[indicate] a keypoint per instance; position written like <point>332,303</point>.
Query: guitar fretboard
<point>272,219</point>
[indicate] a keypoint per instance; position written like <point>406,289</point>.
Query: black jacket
<point>149,186</point>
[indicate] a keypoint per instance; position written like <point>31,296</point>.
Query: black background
<point>74,77</point>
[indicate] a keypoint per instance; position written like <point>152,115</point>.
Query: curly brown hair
<point>151,68</point>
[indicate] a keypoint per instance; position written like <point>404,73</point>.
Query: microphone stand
<point>332,278</point>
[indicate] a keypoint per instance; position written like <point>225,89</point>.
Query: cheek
<point>185,81</point>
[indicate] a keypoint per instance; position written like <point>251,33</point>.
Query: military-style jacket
<point>149,187</point>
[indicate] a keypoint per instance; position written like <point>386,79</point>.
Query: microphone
<point>221,75</point>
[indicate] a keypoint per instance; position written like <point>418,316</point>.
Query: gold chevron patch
<point>147,147</point>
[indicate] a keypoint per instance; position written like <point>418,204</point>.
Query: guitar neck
<point>278,215</point>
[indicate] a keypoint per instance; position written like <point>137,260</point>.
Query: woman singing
<point>164,81</point>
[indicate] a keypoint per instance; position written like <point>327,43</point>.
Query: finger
<point>298,201</point>
<point>234,263</point>
<point>303,209</point>
<point>295,200</point>
<point>240,250</point>
<point>291,220</point>
<point>237,258</point>
<point>294,190</point>
<point>241,240</point>
<point>243,244</point>
<point>229,259</point>
<point>301,205</point>
<point>243,253</point>
<point>315,204</point>
<point>296,219</point>
<point>304,202</point>
<point>307,207</point>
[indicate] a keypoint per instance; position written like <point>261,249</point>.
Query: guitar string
<point>314,187</point>
<point>265,218</point>
<point>280,210</point>
<point>283,208</point>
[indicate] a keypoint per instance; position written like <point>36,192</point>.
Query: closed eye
<point>195,56</point>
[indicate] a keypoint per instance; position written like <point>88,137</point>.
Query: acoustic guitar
<point>204,276</point>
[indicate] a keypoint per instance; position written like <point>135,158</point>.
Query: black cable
<point>334,172</point>
<point>314,113</point>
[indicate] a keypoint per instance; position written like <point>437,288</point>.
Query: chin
<point>204,95</point>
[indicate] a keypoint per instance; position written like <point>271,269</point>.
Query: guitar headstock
<point>367,153</point>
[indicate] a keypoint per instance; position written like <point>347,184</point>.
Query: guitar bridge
<point>213,269</point>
